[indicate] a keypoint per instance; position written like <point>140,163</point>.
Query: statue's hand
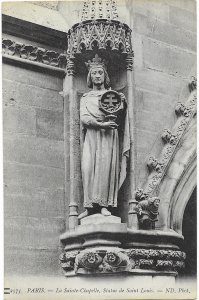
<point>109,125</point>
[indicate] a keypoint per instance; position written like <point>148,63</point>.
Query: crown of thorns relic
<point>96,62</point>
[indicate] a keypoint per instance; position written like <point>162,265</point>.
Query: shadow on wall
<point>189,231</point>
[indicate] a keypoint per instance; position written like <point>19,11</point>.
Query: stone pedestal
<point>104,245</point>
<point>100,219</point>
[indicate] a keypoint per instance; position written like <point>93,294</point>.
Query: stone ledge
<point>33,65</point>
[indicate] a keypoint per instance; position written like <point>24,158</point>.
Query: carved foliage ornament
<point>32,53</point>
<point>97,260</point>
<point>157,168</point>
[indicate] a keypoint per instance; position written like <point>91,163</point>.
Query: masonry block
<point>44,203</point>
<point>17,174</point>
<point>31,77</point>
<point>19,120</point>
<point>158,82</point>
<point>22,262</point>
<point>152,8</point>
<point>189,5</point>
<point>50,124</point>
<point>167,59</point>
<point>33,232</point>
<point>165,32</point>
<point>34,150</point>
<point>182,18</point>
<point>28,95</point>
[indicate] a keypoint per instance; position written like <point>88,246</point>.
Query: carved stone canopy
<point>111,39</point>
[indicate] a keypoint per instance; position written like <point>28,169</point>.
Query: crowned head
<point>97,72</point>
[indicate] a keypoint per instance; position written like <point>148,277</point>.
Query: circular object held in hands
<point>110,102</point>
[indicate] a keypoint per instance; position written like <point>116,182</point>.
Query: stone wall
<point>164,38</point>
<point>164,42</point>
<point>33,170</point>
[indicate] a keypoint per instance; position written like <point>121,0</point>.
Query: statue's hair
<point>106,79</point>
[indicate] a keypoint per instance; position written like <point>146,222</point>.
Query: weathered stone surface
<point>19,120</point>
<point>49,124</point>
<point>182,18</point>
<point>138,50</point>
<point>30,13</point>
<point>155,9</point>
<point>44,202</point>
<point>145,140</point>
<point>33,78</point>
<point>158,82</point>
<point>28,95</point>
<point>100,219</point>
<point>33,232</point>
<point>165,32</point>
<point>18,174</point>
<point>189,5</point>
<point>32,262</point>
<point>146,121</point>
<point>175,169</point>
<point>149,101</point>
<point>167,59</point>
<point>35,151</point>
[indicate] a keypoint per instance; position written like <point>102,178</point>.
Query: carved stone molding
<point>129,62</point>
<point>33,53</point>
<point>168,137</point>
<point>154,165</point>
<point>158,167</point>
<point>112,260</point>
<point>70,67</point>
<point>99,35</point>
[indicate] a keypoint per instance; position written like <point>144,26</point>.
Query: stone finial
<point>99,9</point>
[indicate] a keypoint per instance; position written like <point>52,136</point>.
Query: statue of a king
<point>106,144</point>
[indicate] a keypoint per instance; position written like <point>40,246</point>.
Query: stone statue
<point>106,142</point>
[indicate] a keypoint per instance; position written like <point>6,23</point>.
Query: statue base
<point>104,245</point>
<point>100,219</point>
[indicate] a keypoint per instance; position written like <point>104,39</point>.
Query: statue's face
<point>97,75</point>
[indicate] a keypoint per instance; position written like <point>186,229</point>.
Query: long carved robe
<point>103,156</point>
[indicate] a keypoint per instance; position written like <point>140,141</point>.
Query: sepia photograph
<point>99,149</point>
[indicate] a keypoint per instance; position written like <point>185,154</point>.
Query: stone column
<point>71,127</point>
<point>132,216</point>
